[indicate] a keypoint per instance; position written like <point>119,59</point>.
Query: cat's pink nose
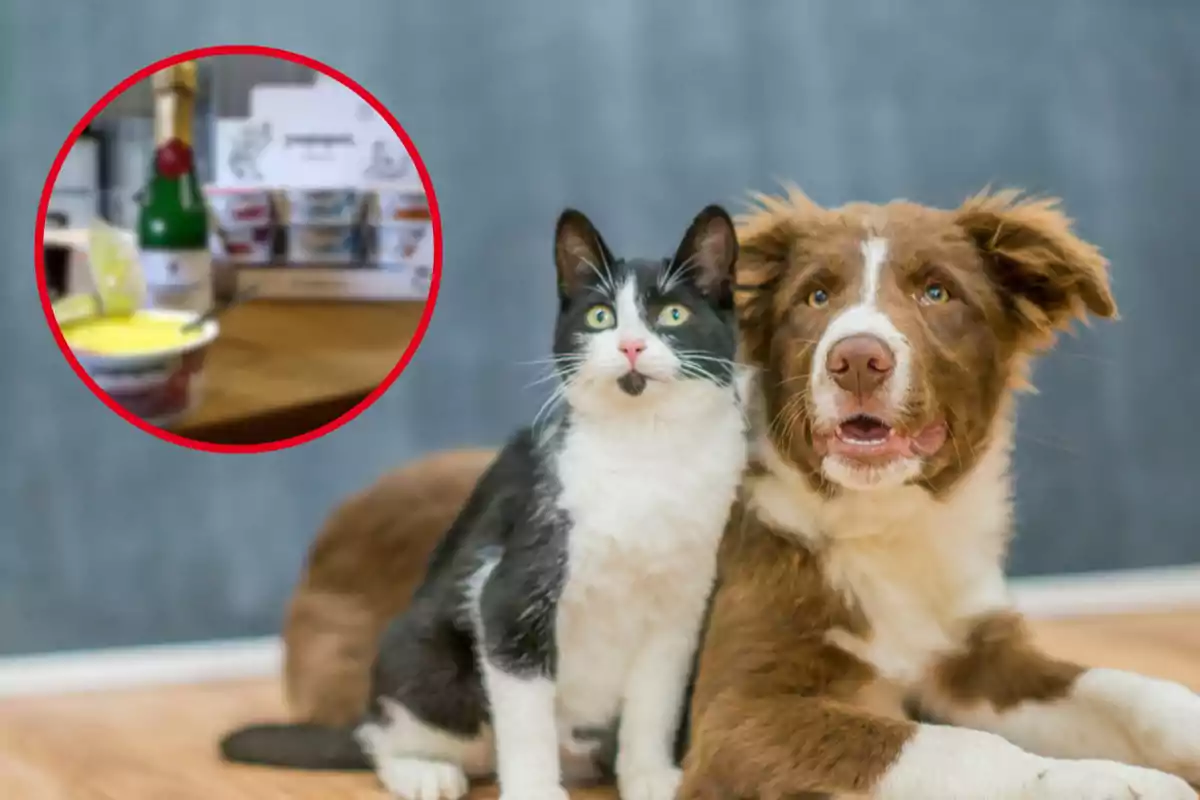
<point>632,348</point>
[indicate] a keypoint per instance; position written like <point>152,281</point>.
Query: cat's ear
<point>707,254</point>
<point>579,252</point>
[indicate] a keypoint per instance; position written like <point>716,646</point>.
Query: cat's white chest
<point>647,511</point>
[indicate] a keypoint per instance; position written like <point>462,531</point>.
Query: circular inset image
<point>238,249</point>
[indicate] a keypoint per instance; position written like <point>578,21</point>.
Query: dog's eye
<point>818,298</point>
<point>934,294</point>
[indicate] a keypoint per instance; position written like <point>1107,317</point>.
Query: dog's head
<point>888,336</point>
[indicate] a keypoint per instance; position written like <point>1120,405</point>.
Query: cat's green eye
<point>673,315</point>
<point>600,317</point>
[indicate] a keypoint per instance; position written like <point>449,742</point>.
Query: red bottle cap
<point>173,159</point>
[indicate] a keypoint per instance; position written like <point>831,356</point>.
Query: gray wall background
<point>639,112</point>
<point>224,87</point>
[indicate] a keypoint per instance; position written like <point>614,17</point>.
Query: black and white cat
<point>570,592</point>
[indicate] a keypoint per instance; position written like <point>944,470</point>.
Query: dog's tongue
<point>865,437</point>
<point>864,429</point>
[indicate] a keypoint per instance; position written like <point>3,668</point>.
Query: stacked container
<point>324,226</point>
<point>246,222</point>
<point>400,224</point>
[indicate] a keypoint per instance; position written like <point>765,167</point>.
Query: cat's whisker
<point>566,358</point>
<point>711,368</point>
<point>558,395</point>
<point>553,376</point>
<point>674,273</point>
<point>703,354</point>
<point>696,371</point>
<point>664,277</point>
<point>688,355</point>
<point>612,288</point>
<point>605,278</point>
<point>561,367</point>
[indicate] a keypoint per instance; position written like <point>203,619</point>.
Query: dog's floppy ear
<point>1050,276</point>
<point>767,235</point>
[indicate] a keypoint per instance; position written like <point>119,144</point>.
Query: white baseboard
<point>1121,592</point>
<point>134,667</point>
<point>1118,592</point>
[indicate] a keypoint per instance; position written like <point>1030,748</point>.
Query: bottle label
<point>178,279</point>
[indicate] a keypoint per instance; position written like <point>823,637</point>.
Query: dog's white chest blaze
<point>919,568</point>
<point>648,505</point>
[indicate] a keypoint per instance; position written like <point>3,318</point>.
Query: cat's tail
<point>296,745</point>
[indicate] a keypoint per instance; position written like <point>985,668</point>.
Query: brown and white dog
<point>862,572</point>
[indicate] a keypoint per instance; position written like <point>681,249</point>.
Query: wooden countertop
<point>283,368</point>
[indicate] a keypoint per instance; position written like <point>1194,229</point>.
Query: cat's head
<point>637,329</point>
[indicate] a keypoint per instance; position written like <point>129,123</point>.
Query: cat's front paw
<point>1104,780</point>
<point>546,792</point>
<point>422,779</point>
<point>650,784</point>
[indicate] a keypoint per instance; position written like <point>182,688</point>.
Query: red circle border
<point>344,80</point>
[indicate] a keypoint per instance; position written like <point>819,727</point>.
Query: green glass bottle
<point>172,226</point>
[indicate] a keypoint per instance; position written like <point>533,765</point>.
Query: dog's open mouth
<point>863,430</point>
<point>863,437</point>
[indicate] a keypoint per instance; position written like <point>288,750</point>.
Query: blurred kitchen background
<point>109,165</point>
<point>342,216</point>
<point>639,113</point>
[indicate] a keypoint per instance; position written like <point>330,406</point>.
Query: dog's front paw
<point>1161,718</point>
<point>649,784</point>
<point>1169,732</point>
<point>1104,780</point>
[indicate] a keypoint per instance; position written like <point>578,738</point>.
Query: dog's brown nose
<point>860,363</point>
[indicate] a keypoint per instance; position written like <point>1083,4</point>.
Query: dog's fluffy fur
<point>862,573</point>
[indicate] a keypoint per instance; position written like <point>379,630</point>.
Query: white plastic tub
<point>159,386</point>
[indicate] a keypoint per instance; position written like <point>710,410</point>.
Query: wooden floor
<point>158,744</point>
